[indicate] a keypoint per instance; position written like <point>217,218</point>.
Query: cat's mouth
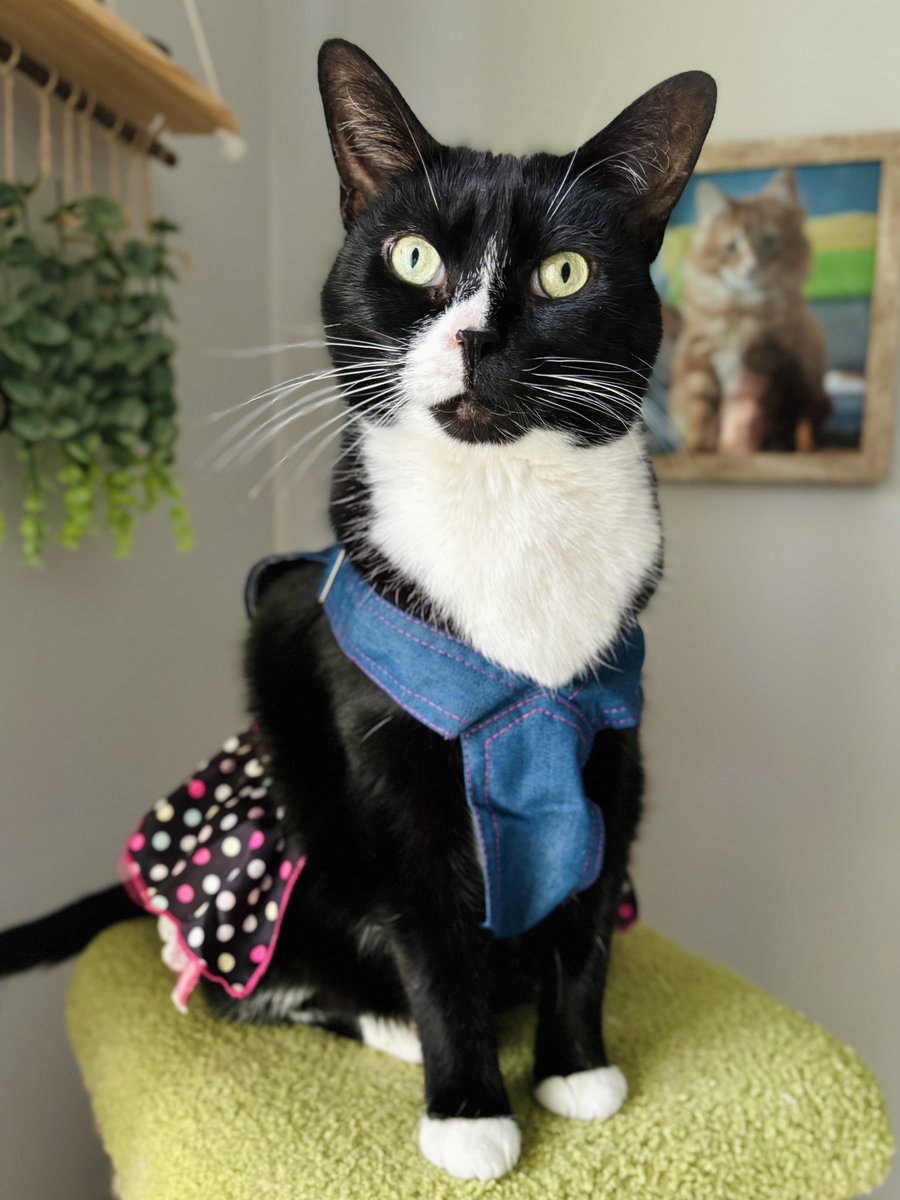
<point>468,419</point>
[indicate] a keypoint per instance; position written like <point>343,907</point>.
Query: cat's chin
<point>466,419</point>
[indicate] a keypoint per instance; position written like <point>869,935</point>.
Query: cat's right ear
<point>374,133</point>
<point>710,201</point>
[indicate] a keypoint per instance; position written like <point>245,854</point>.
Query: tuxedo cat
<point>493,488</point>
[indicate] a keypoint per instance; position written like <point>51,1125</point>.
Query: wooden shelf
<point>95,50</point>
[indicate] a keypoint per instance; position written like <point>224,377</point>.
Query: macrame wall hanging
<point>88,409</point>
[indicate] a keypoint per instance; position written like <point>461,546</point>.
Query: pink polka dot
<point>137,842</point>
<point>257,954</point>
<point>626,912</point>
<point>185,894</point>
<point>256,812</point>
<point>196,789</point>
<point>285,870</point>
<point>226,766</point>
<point>202,857</point>
<point>257,839</point>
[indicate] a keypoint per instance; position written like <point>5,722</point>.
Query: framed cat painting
<point>780,281</point>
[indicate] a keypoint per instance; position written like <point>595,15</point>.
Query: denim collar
<point>540,839</point>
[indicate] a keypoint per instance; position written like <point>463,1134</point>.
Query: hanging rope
<point>112,161</point>
<point>9,124</point>
<point>234,147</point>
<point>70,104</point>
<point>45,135</point>
<point>85,151</point>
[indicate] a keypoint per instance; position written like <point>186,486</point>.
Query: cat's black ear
<point>374,133</point>
<point>648,152</point>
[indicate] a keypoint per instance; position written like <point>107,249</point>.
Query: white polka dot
<point>280,812</point>
<point>253,898</point>
<point>266,883</point>
<point>222,792</point>
<point>179,867</point>
<point>211,884</point>
<point>226,963</point>
<point>238,988</point>
<point>250,924</point>
<point>271,911</point>
<point>230,745</point>
<point>256,813</point>
<point>254,769</point>
<point>159,903</point>
<point>231,847</point>
<point>228,821</point>
<point>158,872</point>
<point>161,840</point>
<point>256,868</point>
<point>165,812</point>
<point>195,938</point>
<point>225,901</point>
<point>203,909</point>
<point>205,833</point>
<point>192,817</point>
<point>245,749</point>
<point>233,874</point>
<point>211,811</point>
<point>225,933</point>
<point>257,793</point>
<point>188,843</point>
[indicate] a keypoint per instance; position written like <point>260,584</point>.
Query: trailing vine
<point>87,390</point>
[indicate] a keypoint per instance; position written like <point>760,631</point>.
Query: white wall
<point>118,676</point>
<point>773,683</point>
<point>774,645</point>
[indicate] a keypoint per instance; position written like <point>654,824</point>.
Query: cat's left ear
<point>648,152</point>
<point>374,133</point>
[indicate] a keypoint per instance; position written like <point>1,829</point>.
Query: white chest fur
<point>533,549</point>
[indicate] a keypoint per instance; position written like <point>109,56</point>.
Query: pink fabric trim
<point>137,889</point>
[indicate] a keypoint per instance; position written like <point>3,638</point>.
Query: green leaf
<point>22,252</point>
<point>107,270</point>
<point>99,214</point>
<point>20,352</point>
<point>14,194</point>
<point>101,319</point>
<point>126,414</point>
<point>30,426</point>
<point>160,379</point>
<point>163,225</point>
<point>155,346</point>
<point>42,330</point>
<point>65,426</point>
<point>12,311</point>
<point>81,350</point>
<point>162,432</point>
<point>39,293</point>
<point>140,259</point>
<point>24,394</point>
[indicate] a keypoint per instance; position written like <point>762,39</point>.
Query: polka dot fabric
<point>214,859</point>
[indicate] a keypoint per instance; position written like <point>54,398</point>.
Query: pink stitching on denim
<point>436,632</point>
<point>342,630</point>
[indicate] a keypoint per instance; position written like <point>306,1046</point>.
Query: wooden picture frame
<point>867,459</point>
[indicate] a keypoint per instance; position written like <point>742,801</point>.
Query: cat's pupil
<point>414,257</point>
<point>566,272</point>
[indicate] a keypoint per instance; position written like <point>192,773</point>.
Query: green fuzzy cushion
<point>732,1096</point>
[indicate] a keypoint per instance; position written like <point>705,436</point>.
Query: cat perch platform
<point>732,1095</point>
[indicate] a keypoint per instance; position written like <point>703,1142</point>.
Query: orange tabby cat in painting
<point>750,360</point>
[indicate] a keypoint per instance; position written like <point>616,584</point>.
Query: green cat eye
<point>416,261</point>
<point>561,275</point>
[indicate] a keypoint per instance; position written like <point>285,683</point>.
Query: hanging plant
<point>86,380</point>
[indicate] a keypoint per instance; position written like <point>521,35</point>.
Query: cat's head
<point>489,295</point>
<point>753,249</point>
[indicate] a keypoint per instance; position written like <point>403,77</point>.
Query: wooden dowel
<point>100,113</point>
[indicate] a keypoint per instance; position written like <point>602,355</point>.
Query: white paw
<point>480,1148</point>
<point>586,1095</point>
<point>172,954</point>
<point>399,1038</point>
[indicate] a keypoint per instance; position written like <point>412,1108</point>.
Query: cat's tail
<point>56,937</point>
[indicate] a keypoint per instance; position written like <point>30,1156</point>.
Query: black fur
<point>386,918</point>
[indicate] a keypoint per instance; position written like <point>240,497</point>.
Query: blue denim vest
<point>540,838</point>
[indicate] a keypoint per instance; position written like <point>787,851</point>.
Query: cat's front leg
<point>573,1075</point>
<point>468,1129</point>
